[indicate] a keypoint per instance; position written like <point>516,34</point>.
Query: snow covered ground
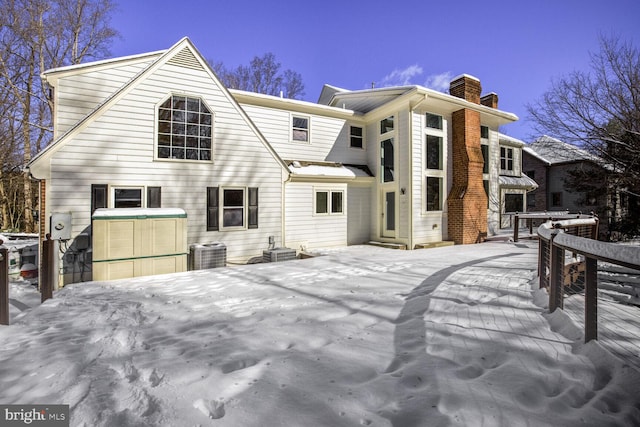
<point>454,336</point>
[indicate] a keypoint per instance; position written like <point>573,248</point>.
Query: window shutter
<point>98,197</point>
<point>212,209</point>
<point>153,197</point>
<point>253,207</point>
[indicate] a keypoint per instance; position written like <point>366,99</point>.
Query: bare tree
<point>262,76</point>
<point>599,110</point>
<point>36,35</point>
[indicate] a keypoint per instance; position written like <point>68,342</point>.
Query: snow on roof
<point>103,62</point>
<point>138,213</point>
<point>510,139</point>
<point>518,181</point>
<point>553,151</point>
<point>334,170</point>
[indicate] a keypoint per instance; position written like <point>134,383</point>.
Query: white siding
<point>118,149</point>
<point>305,229</point>
<point>428,227</point>
<point>329,140</point>
<point>403,154</point>
<point>495,198</point>
<point>78,94</point>
<point>359,199</point>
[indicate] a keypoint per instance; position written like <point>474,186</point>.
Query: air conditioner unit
<point>278,254</point>
<point>207,255</point>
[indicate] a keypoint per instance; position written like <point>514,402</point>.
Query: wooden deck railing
<point>544,216</point>
<point>578,237</point>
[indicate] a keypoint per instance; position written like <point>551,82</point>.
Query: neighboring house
<point>403,165</point>
<point>549,162</point>
<point>514,184</point>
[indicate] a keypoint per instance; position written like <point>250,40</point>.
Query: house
<point>514,184</point>
<point>554,164</point>
<point>550,162</point>
<point>405,166</point>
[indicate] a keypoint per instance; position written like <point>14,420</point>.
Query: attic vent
<point>185,58</point>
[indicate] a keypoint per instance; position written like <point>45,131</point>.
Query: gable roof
<point>183,53</point>
<point>552,151</point>
<point>370,100</point>
<point>54,73</point>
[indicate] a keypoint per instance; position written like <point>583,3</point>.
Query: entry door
<point>389,214</point>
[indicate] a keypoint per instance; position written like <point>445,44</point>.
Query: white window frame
<point>486,138</point>
<point>156,157</point>
<point>387,131</point>
<point>506,159</point>
<point>114,188</point>
<point>362,139</point>
<point>330,207</point>
<point>440,152</point>
<point>294,129</point>
<point>223,207</point>
<point>440,174</point>
<point>440,194</point>
<point>426,121</point>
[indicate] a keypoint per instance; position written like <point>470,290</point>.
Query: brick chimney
<point>466,87</point>
<point>467,201</point>
<point>490,100</point>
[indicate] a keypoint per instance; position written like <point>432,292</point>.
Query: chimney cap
<point>461,76</point>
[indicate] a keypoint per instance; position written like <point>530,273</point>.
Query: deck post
<point>556,279</point>
<point>48,270</point>
<point>4,285</point>
<point>543,248</point>
<point>590,300</point>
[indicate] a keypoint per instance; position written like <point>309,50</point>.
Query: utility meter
<point>60,226</point>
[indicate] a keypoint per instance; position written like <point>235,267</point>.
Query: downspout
<point>282,208</point>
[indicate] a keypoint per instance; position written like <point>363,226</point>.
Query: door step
<point>387,245</point>
<point>434,245</point>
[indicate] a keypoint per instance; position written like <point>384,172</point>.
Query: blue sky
<point>515,48</point>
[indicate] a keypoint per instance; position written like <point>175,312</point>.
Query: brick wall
<point>467,201</point>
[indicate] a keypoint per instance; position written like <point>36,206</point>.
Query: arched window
<point>184,129</point>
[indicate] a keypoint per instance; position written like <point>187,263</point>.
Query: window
<point>232,207</point>
<point>124,197</point>
<point>329,202</point>
<point>434,194</point>
<point>387,160</point>
<point>485,183</point>
<point>356,137</point>
<point>484,132</point>
<point>513,202</point>
<point>127,198</point>
<point>506,158</point>
<point>434,121</point>
<point>386,125</point>
<point>300,128</point>
<point>434,152</point>
<point>556,199</point>
<point>184,129</point>
<point>485,157</point>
